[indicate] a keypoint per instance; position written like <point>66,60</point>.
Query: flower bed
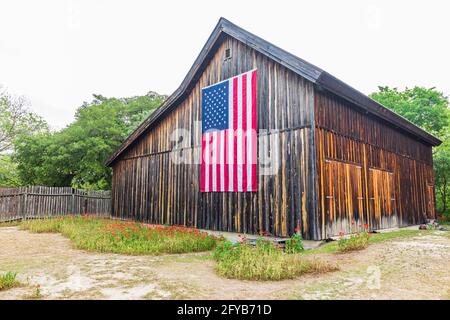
<point>105,235</point>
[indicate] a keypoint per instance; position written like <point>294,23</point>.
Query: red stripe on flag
<point>244,131</point>
<point>235,127</point>
<point>202,177</point>
<point>210,166</point>
<point>225,166</point>
<point>218,161</point>
<point>254,134</point>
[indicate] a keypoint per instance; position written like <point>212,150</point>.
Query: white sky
<point>58,53</point>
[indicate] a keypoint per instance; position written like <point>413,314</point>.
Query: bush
<point>265,261</point>
<point>104,235</point>
<point>358,240</point>
<point>294,244</point>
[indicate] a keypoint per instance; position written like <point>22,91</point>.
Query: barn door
<point>382,205</point>
<point>430,202</point>
<point>343,196</point>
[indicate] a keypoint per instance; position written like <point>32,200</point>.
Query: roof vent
<point>227,54</point>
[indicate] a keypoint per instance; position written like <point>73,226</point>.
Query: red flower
<point>366,226</point>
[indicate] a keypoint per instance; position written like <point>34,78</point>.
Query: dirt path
<point>409,268</point>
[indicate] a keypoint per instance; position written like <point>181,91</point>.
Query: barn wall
<point>148,186</point>
<point>368,171</point>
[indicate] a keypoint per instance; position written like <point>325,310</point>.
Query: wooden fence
<point>37,201</point>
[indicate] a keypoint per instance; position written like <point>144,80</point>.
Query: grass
<point>8,280</point>
<point>49,225</point>
<point>9,224</point>
<point>265,261</point>
<point>105,235</point>
<point>333,247</point>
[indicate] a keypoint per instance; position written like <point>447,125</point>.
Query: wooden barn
<point>343,158</point>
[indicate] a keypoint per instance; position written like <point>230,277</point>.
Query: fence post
<point>85,201</point>
<point>21,194</point>
<point>17,199</point>
<point>25,196</point>
<point>72,204</point>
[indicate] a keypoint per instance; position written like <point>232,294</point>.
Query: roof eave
<point>336,86</point>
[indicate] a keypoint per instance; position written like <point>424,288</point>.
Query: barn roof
<point>321,78</point>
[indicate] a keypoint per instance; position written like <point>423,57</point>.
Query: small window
<point>227,54</point>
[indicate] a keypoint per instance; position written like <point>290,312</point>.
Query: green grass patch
<point>333,247</point>
<point>265,261</point>
<point>46,225</point>
<point>105,235</point>
<point>8,280</point>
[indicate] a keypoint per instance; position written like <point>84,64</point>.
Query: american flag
<point>229,140</point>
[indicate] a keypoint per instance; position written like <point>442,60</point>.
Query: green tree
<point>429,109</point>
<point>9,176</point>
<point>16,120</point>
<point>75,156</point>
<point>441,162</point>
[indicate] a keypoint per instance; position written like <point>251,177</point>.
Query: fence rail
<point>38,201</point>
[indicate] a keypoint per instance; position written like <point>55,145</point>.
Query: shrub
<point>265,261</point>
<point>357,240</point>
<point>8,280</point>
<point>294,244</point>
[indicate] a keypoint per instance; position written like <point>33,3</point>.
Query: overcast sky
<point>57,53</point>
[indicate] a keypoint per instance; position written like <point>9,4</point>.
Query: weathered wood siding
<point>368,171</point>
<point>148,186</point>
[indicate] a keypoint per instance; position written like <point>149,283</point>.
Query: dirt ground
<point>405,268</point>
